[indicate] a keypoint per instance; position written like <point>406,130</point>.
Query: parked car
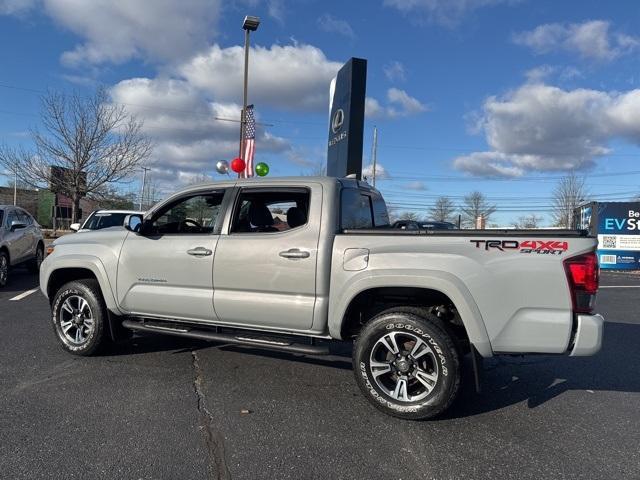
<point>100,219</point>
<point>21,241</point>
<point>425,225</point>
<point>209,263</point>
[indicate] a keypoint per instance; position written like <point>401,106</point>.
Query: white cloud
<point>416,185</point>
<point>399,104</point>
<point>395,71</point>
<point>15,7</point>
<point>115,31</point>
<point>329,23</point>
<point>539,127</point>
<point>381,172</point>
<point>276,10</point>
<point>182,122</point>
<point>544,72</point>
<point>444,12</point>
<point>591,40</point>
<point>292,77</point>
<point>408,105</point>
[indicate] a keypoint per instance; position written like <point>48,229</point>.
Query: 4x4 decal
<point>548,247</point>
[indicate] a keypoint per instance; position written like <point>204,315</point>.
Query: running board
<point>247,339</point>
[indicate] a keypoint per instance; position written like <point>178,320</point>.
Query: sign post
<point>346,120</point>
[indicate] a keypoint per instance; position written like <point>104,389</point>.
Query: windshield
<point>101,220</point>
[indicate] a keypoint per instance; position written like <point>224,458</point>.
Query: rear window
<point>363,209</point>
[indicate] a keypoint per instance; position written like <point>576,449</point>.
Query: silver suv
<point>21,241</point>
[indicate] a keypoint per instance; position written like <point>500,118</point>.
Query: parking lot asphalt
<point>160,407</point>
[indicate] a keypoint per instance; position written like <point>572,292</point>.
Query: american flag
<point>249,142</point>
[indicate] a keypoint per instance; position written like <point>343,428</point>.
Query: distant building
<point>45,206</point>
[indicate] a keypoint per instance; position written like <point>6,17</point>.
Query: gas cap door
<point>355,259</point>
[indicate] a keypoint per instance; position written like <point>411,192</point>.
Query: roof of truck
<point>278,181</point>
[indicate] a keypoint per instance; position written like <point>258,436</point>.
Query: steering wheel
<point>188,223</point>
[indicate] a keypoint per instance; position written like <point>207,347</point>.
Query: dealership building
<point>617,225</point>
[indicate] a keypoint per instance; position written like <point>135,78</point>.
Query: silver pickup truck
<point>290,263</point>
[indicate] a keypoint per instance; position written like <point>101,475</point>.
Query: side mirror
<point>133,223</point>
<point>74,227</point>
<point>16,224</point>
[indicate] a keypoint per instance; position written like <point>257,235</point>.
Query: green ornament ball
<point>262,169</point>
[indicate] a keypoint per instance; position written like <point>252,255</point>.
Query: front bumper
<point>588,338</point>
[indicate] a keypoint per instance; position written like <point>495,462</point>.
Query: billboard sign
<point>346,119</point>
<point>61,179</point>
<point>617,225</point>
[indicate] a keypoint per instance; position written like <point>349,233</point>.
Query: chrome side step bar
<point>251,340</point>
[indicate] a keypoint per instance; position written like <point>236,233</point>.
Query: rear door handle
<point>199,252</point>
<point>295,253</point>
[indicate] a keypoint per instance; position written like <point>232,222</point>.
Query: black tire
<point>5,268</point>
<point>437,363</point>
<point>91,337</point>
<point>34,264</point>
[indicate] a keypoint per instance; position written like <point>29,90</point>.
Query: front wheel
<point>79,317</point>
<point>4,268</point>
<point>406,364</point>
<point>35,262</point>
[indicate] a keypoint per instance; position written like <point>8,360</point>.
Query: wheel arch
<point>78,269</point>
<point>366,296</point>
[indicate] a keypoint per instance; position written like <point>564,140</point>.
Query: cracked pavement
<point>166,408</point>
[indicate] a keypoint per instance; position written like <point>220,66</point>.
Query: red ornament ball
<point>238,165</point>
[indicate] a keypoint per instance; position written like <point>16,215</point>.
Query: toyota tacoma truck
<point>290,263</point>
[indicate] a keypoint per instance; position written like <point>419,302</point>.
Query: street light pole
<point>144,182</point>
<point>15,186</point>
<point>250,24</point>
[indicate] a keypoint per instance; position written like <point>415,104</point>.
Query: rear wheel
<point>4,268</point>
<point>34,264</point>
<point>79,317</point>
<point>406,363</point>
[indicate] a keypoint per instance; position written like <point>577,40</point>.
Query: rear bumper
<point>588,338</point>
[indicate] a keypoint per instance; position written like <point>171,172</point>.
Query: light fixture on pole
<point>250,24</point>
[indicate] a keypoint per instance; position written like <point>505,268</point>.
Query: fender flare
<point>86,262</point>
<point>440,281</point>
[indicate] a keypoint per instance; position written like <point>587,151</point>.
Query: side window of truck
<point>380,212</point>
<point>356,209</point>
<point>196,214</point>
<point>260,210</point>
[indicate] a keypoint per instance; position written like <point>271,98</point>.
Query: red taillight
<point>583,277</point>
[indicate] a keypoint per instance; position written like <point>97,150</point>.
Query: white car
<point>100,219</point>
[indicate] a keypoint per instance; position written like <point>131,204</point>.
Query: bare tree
<point>569,193</point>
<point>443,210</point>
<point>525,222</point>
<point>473,206</point>
<point>92,142</point>
<point>408,215</point>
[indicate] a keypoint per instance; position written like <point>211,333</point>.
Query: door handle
<point>199,252</point>
<point>294,253</point>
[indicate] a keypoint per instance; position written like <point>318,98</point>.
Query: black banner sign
<point>346,123</point>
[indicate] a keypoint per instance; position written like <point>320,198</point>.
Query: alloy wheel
<point>404,366</point>
<point>76,320</point>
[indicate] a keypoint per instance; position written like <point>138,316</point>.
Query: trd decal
<point>544,247</point>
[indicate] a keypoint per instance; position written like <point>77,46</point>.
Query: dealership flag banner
<point>249,142</point>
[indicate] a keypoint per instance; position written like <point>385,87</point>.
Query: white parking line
<point>24,294</point>
<point>619,286</point>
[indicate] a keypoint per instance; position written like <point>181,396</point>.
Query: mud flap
<point>477,361</point>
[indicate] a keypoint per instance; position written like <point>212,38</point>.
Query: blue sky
<point>502,96</point>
